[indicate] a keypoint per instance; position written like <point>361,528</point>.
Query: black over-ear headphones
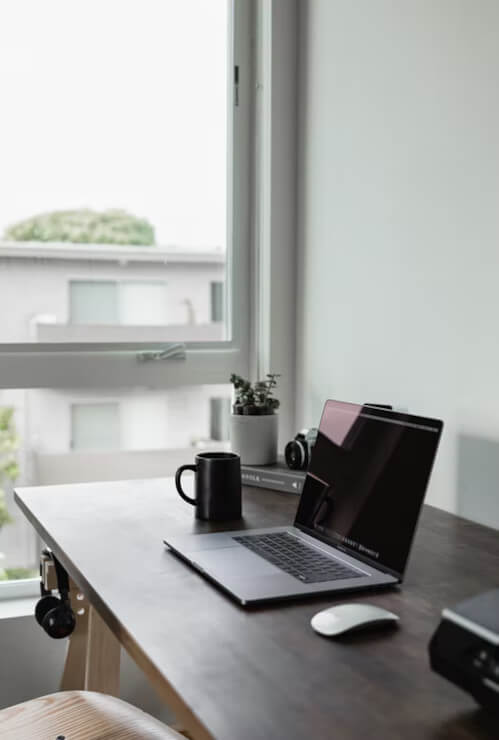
<point>54,614</point>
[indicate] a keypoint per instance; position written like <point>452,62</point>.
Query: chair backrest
<point>81,715</point>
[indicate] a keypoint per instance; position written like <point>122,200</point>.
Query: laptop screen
<point>367,480</point>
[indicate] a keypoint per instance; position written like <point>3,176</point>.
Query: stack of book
<point>278,477</point>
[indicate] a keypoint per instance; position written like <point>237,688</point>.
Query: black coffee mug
<point>217,486</point>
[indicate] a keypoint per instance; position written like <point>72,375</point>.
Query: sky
<point>116,104</point>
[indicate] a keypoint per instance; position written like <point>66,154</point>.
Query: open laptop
<point>356,516</point>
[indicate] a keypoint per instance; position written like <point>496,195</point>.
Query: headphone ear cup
<point>45,604</point>
<point>59,621</point>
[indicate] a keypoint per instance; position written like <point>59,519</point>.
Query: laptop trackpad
<point>233,559</point>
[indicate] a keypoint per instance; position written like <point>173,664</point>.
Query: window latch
<point>236,85</point>
<point>175,351</point>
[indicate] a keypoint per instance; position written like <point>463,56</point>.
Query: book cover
<point>278,477</point>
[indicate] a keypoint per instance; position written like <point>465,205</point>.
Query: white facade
<point>87,433</point>
<point>43,276</point>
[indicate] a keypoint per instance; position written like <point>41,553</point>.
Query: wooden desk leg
<point>73,677</point>
<point>93,656</point>
<point>102,670</point>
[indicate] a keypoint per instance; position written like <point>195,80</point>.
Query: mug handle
<point>178,484</point>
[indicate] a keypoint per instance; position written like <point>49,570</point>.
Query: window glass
<point>130,303</point>
<point>114,169</point>
<point>219,418</point>
<point>217,301</point>
<point>49,437</point>
<point>95,426</point>
<point>113,228</point>
<point>93,302</point>
<point>143,304</point>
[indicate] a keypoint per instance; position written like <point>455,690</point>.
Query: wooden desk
<point>236,674</point>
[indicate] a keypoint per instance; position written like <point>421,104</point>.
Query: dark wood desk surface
<point>263,673</point>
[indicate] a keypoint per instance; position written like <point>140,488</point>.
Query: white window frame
<point>81,366</point>
<point>22,589</point>
<point>98,365</point>
<point>276,199</point>
<point>262,205</point>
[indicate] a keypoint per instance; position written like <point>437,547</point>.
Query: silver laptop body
<point>356,516</point>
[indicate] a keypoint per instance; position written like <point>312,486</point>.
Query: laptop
<point>355,520</point>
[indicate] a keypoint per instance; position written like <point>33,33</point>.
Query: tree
<point>9,469</point>
<point>83,227</point>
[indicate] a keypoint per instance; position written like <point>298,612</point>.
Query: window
<point>93,302</point>
<point>133,190</point>
<point>77,435</point>
<point>219,418</point>
<point>130,303</point>
<point>217,301</point>
<point>117,217</point>
<point>95,426</point>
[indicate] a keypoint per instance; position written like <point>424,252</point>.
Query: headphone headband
<point>60,574</point>
<point>62,578</point>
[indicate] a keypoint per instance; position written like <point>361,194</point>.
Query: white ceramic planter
<point>254,438</point>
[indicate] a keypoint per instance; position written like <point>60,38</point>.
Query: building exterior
<point>103,294</point>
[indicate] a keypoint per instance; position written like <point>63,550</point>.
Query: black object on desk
<point>353,529</point>
<point>465,647</point>
<point>217,486</point>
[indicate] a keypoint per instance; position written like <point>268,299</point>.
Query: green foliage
<point>17,574</point>
<point>9,469</point>
<point>256,399</point>
<point>5,517</point>
<point>6,416</point>
<point>83,227</point>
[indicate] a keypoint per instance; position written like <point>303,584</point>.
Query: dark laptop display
<point>367,480</point>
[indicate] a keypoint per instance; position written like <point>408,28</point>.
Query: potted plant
<point>253,428</point>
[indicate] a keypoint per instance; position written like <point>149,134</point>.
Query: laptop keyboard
<point>296,558</point>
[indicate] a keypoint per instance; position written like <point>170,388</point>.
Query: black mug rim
<point>217,456</point>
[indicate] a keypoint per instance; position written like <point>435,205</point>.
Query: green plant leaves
<point>9,468</point>
<point>5,517</point>
<point>6,416</point>
<point>257,399</point>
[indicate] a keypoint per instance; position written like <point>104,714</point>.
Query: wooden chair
<point>80,715</point>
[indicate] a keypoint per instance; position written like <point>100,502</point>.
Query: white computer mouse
<point>347,617</point>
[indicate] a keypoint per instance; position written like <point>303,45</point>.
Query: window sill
<point>12,608</point>
<point>27,588</point>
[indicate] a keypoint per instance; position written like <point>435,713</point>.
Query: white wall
<point>398,224</point>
